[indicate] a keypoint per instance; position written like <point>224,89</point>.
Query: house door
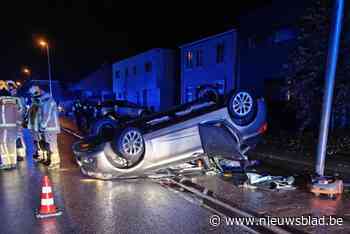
<point>145,97</point>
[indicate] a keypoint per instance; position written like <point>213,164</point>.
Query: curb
<point>271,158</point>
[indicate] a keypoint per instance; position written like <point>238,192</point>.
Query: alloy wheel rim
<point>242,103</point>
<point>132,143</point>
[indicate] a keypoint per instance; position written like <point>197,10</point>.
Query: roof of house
<point>207,38</point>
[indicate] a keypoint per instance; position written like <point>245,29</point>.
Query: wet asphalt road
<point>93,206</point>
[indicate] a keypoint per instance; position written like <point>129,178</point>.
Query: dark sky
<point>85,34</point>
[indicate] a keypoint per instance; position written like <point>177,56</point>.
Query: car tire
<point>130,145</point>
<point>144,114</point>
<point>104,127</point>
<point>242,107</point>
<point>208,93</point>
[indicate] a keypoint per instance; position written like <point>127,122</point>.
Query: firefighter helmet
<point>11,83</point>
<point>3,85</point>
<point>35,91</point>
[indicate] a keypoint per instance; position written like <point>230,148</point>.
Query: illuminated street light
<point>44,44</point>
<point>18,83</point>
<point>26,71</point>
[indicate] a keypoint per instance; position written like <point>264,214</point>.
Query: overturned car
<point>225,128</point>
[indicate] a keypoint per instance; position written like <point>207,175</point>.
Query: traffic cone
<point>47,204</point>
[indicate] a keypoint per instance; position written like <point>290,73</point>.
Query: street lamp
<point>26,71</point>
<point>44,44</point>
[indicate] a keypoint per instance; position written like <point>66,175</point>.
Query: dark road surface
<point>93,206</point>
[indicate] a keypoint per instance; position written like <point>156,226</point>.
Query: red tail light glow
<point>263,128</point>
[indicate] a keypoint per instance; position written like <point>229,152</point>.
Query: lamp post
<point>44,44</point>
<point>26,71</point>
<point>338,11</point>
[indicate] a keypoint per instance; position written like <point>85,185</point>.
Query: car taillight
<point>263,128</point>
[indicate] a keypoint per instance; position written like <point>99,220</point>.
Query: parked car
<point>225,128</point>
<point>110,113</point>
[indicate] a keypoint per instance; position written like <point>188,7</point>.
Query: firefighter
<point>20,143</point>
<point>78,113</point>
<point>88,112</point>
<point>9,122</point>
<point>43,121</point>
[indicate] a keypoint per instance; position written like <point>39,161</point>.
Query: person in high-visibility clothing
<point>20,143</point>
<point>43,121</point>
<point>78,113</point>
<point>10,119</point>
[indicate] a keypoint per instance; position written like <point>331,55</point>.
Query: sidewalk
<point>302,163</point>
<point>295,203</point>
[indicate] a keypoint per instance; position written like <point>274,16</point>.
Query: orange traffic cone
<point>47,204</point>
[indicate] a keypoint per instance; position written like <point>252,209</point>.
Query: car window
<point>130,104</point>
<point>125,104</point>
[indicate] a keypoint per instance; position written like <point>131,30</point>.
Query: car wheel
<point>104,128</point>
<point>208,93</point>
<point>144,114</point>
<point>242,107</point>
<point>130,145</point>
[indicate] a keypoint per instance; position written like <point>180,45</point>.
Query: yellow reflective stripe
<point>49,115</point>
<point>3,113</point>
<point>8,125</point>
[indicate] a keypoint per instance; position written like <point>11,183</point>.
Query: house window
<point>134,70</point>
<point>189,94</point>
<point>138,98</point>
<point>284,34</point>
<point>117,74</point>
<point>251,42</point>
<point>199,58</point>
<point>148,67</point>
<point>145,97</point>
<point>126,72</point>
<point>189,59</point>
<point>220,53</point>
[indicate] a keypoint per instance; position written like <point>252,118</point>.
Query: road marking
<point>67,130</point>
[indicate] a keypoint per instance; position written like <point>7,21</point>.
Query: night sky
<point>86,34</point>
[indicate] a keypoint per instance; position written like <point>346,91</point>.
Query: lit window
<point>148,67</point>
<point>220,49</point>
<point>189,59</point>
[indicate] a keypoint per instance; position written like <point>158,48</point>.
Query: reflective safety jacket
<point>10,112</point>
<point>77,107</point>
<point>43,115</point>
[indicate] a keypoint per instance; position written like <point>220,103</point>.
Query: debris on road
<point>271,182</point>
